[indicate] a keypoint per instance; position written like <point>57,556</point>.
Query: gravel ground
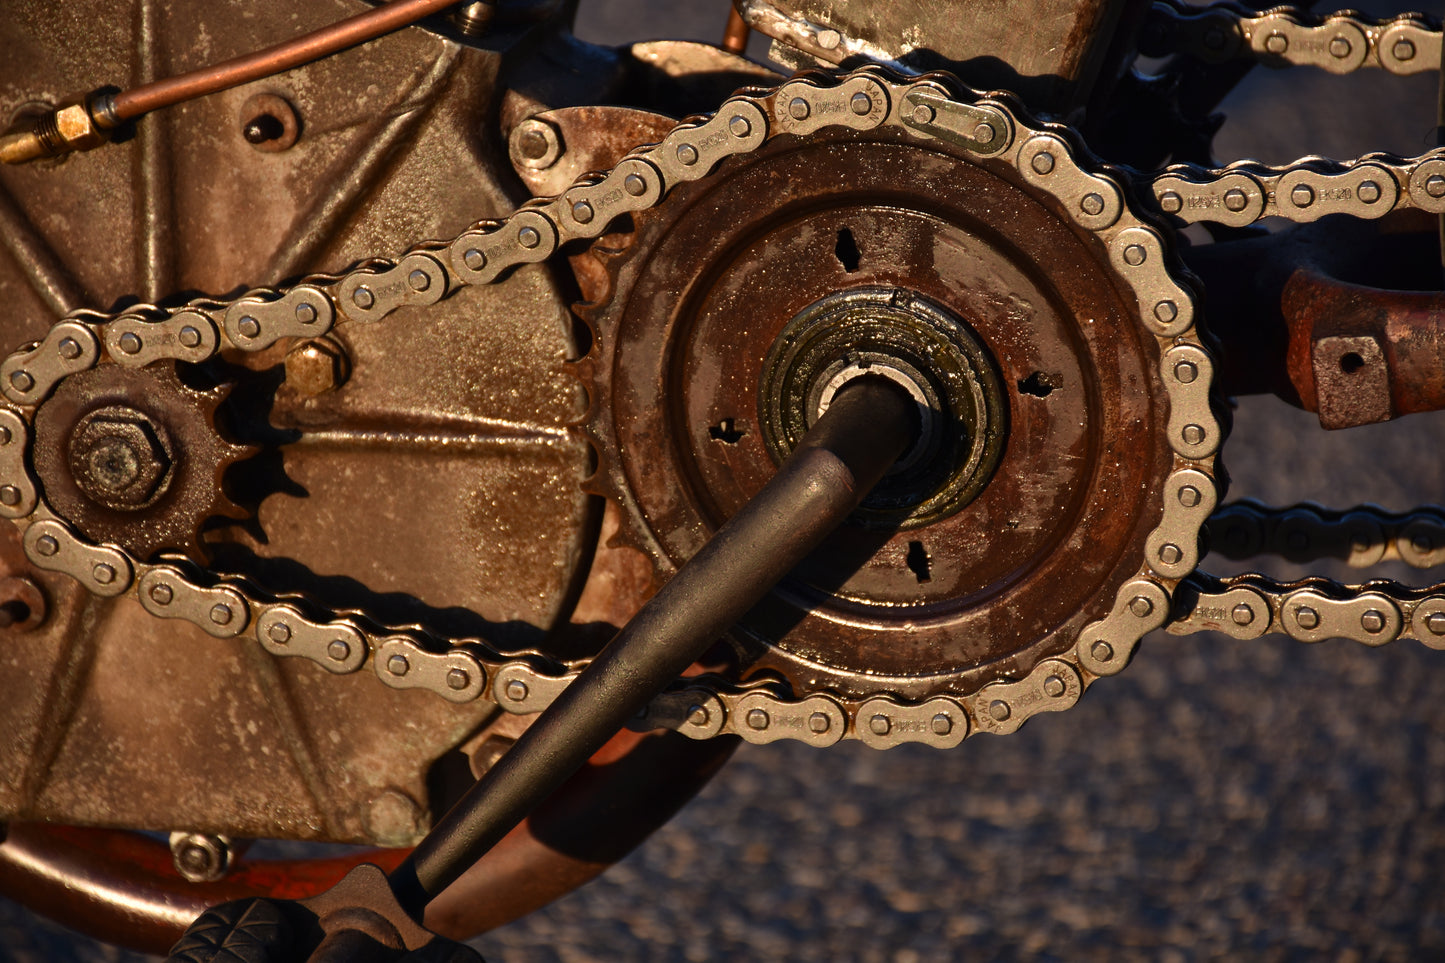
<point>1263,800</point>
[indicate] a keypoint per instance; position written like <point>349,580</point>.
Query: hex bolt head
<point>1307,618</point>
<point>199,857</point>
<point>535,144</point>
<point>880,725</point>
<point>118,458</point>
<point>316,367</point>
<point>757,719</point>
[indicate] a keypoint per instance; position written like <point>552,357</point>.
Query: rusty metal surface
<point>995,598</point>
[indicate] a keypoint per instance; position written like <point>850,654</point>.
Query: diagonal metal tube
<point>868,425</point>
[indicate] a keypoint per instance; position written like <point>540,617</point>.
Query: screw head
<point>117,458</point>
<point>880,725</point>
<point>1043,162</point>
<point>757,719</point>
<point>1307,618</point>
<point>799,109</point>
<point>999,710</point>
<point>458,679</point>
<point>516,690</point>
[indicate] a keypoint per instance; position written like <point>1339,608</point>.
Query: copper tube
<point>385,19</point>
<point>735,35</point>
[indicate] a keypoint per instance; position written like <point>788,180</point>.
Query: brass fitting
<point>78,124</point>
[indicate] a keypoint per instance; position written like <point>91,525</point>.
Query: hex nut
<point>119,458</point>
<point>535,144</point>
<point>315,367</point>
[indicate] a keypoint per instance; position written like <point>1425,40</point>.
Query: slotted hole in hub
<point>918,561</point>
<point>846,251</point>
<point>1037,384</point>
<point>726,431</point>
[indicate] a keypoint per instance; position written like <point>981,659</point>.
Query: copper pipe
<point>735,35</point>
<point>385,19</point>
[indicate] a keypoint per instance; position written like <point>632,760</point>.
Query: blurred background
<point>1260,800</point>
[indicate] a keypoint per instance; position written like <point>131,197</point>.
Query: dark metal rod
<point>868,425</point>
